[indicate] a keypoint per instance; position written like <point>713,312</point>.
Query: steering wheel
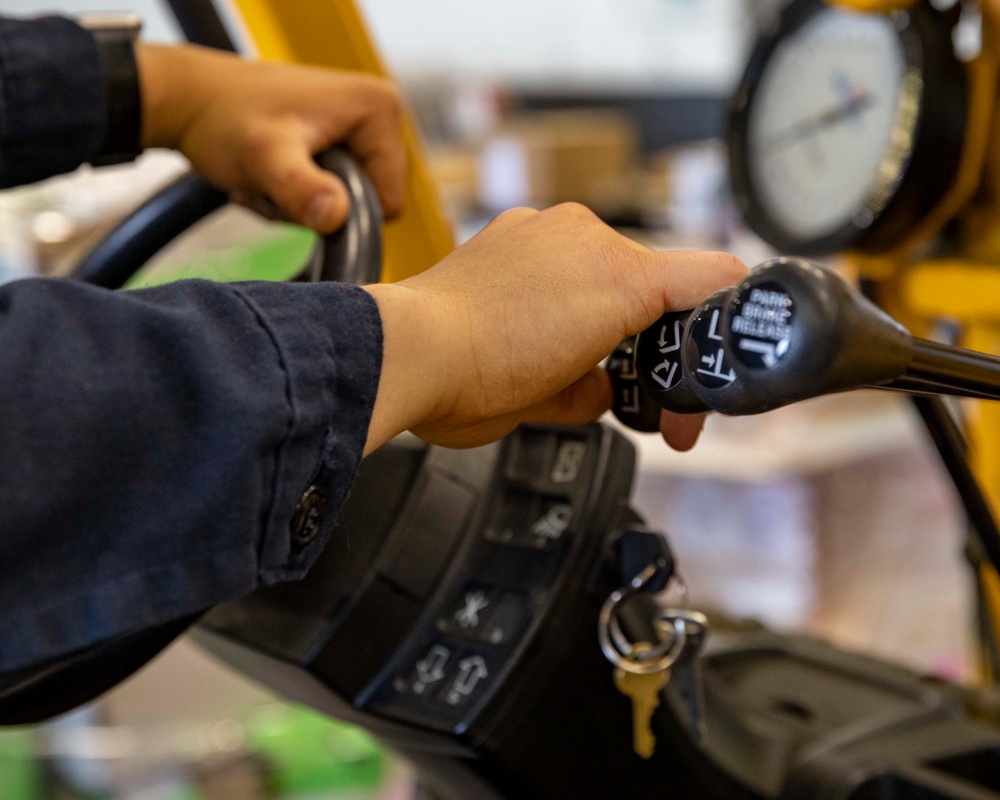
<point>352,254</point>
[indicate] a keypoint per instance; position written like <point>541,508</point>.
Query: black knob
<point>631,405</point>
<point>659,362</point>
<point>795,330</point>
<point>707,367</point>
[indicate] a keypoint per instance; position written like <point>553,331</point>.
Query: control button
<point>509,619</point>
<point>569,460</point>
<point>532,456</point>
<point>470,678</point>
<point>712,369</point>
<point>428,673</point>
<point>517,514</point>
<point>469,614</point>
<point>307,521</point>
<point>432,530</point>
<point>526,520</point>
<point>553,521</point>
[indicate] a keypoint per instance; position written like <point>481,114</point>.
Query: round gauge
<point>847,128</point>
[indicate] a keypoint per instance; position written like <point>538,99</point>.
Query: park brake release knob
<point>658,360</point>
<point>707,370</point>
<point>795,330</point>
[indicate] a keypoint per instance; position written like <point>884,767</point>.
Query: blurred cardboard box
<point>543,158</point>
<point>456,175</point>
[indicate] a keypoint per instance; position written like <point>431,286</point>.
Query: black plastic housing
<point>717,387</point>
<point>795,330</point>
<point>659,357</point>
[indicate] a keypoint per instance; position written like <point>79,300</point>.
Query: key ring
<point>622,652</point>
<point>621,641</point>
<point>695,623</point>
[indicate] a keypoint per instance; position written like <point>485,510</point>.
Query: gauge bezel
<point>916,170</point>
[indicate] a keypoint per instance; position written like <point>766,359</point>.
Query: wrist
<point>173,89</point>
<point>414,370</point>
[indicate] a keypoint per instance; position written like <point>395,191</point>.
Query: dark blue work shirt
<point>154,444</point>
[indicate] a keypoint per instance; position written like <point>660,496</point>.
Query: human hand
<point>511,326</point>
<point>255,126</point>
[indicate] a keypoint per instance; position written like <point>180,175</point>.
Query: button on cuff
<point>310,513</point>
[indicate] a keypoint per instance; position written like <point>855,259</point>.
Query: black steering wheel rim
<point>352,254</point>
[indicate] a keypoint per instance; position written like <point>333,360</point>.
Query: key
<point>637,549</point>
<point>687,677</point>
<point>644,692</point>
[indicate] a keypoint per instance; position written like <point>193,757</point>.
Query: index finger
<point>377,141</point>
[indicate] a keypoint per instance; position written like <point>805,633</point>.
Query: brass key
<point>644,692</point>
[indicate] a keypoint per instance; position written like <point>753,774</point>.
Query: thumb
<point>309,195</point>
<point>679,280</point>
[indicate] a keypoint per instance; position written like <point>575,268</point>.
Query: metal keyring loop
<point>691,618</point>
<point>622,652</point>
<point>621,641</point>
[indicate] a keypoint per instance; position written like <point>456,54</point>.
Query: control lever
<point>707,366</point>
<point>659,364</point>
<point>631,405</point>
<point>795,330</point>
<point>683,367</point>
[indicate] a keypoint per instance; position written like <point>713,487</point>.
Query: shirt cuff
<point>329,339</point>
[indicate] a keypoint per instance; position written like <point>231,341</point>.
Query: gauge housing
<point>919,165</point>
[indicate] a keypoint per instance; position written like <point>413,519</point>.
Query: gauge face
<point>823,121</point>
<point>847,128</point>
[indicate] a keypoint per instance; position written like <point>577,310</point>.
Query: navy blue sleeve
<point>53,109</point>
<point>158,448</point>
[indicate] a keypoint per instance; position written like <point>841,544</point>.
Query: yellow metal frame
<point>331,33</point>
<point>966,286</point>
<point>982,75</point>
<point>879,6</point>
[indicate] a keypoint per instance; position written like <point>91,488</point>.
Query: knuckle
<point>392,96</point>
<point>575,211</point>
<point>516,214</point>
<point>384,94</point>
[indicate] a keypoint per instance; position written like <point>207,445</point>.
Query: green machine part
<point>276,255</point>
<point>310,755</point>
<point>20,772</point>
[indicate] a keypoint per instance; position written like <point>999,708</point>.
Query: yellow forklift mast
<point>332,33</point>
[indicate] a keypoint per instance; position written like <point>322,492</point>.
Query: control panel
<point>440,571</point>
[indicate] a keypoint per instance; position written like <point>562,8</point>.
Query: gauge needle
<point>813,125</point>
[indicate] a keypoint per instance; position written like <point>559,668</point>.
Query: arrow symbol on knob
<point>669,380</point>
<point>662,341</point>
<point>767,351</point>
